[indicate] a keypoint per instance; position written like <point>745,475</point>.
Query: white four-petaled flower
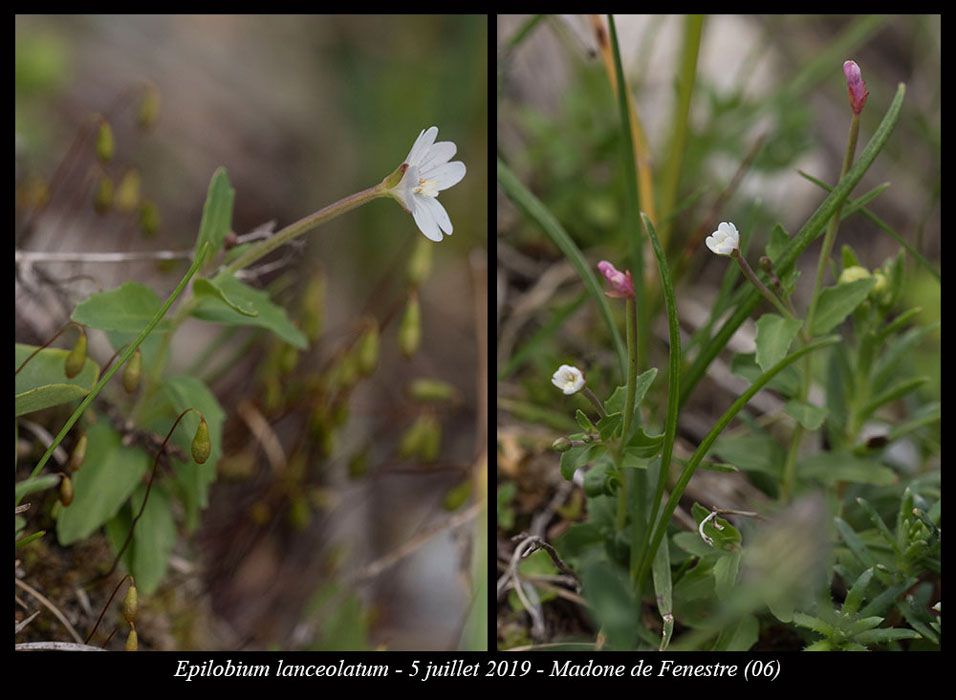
<point>568,379</point>
<point>725,240</point>
<point>427,173</point>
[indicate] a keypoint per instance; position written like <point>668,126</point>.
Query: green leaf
<point>814,623</point>
<point>854,542</point>
<point>203,287</point>
<point>755,453</point>
<point>774,336</point>
<point>212,307</point>
<point>644,380</point>
<point>609,426</point>
<point>740,635</point>
<point>806,414</point>
<point>836,303</point>
<point>856,594</point>
<point>643,445</point>
<point>585,422</point>
<point>577,457</point>
<point>216,214</point>
<point>109,475</point>
<point>831,467</point>
<point>779,240</point>
<point>787,382</point>
<point>147,555</point>
<point>880,636</point>
<point>725,574</point>
<point>40,483</point>
<point>607,588</point>
<point>128,309</point>
<point>661,574</point>
<point>43,382</point>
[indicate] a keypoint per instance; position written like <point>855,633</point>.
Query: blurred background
<point>300,111</point>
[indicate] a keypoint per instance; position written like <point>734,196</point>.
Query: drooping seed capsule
<point>202,446</point>
<point>126,197</point>
<point>410,329</point>
<point>148,218</point>
<point>131,603</point>
<point>420,264</point>
<point>103,194</point>
<point>132,641</point>
<point>132,372</point>
<point>66,491</point>
<point>368,349</point>
<point>104,142</point>
<point>148,107</point>
<point>77,357</point>
<point>78,454</point>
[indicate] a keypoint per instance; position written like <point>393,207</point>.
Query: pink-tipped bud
<point>855,87</point>
<point>622,286</point>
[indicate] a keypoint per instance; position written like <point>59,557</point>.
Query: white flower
<point>427,173</point>
<point>568,379</point>
<point>724,240</point>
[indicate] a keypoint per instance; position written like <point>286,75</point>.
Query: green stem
<point>631,201</point>
<point>834,224</point>
<point>598,406</point>
<point>122,361</point>
<point>761,287</point>
<point>302,225</point>
<point>631,313</point>
<point>708,441</point>
<point>670,178</point>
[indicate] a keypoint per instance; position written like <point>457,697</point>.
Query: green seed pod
<point>410,329</point>
<point>148,218</point>
<point>420,264</point>
<point>424,389</point>
<point>104,142</point>
<point>148,107</point>
<point>422,439</point>
<point>132,641</point>
<point>103,194</point>
<point>77,357</point>
<point>562,444</point>
<point>368,349</point>
<point>131,603</point>
<point>132,372</point>
<point>456,497</point>
<point>66,491</point>
<point>126,198</point>
<point>202,446</point>
<point>78,454</point>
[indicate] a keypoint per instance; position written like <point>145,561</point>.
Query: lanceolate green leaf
<point>243,302</point>
<point>807,234</point>
<point>109,474</point>
<point>216,214</point>
<point>128,309</point>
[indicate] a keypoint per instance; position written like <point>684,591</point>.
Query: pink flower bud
<point>855,86</point>
<point>621,282</point>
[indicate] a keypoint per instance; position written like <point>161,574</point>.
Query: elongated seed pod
<point>77,357</point>
<point>201,444</point>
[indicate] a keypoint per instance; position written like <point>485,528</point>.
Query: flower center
<point>428,188</point>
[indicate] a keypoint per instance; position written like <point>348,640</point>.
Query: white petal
<point>421,145</point>
<point>438,213</point>
<point>426,223</point>
<point>439,153</point>
<point>447,175</point>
